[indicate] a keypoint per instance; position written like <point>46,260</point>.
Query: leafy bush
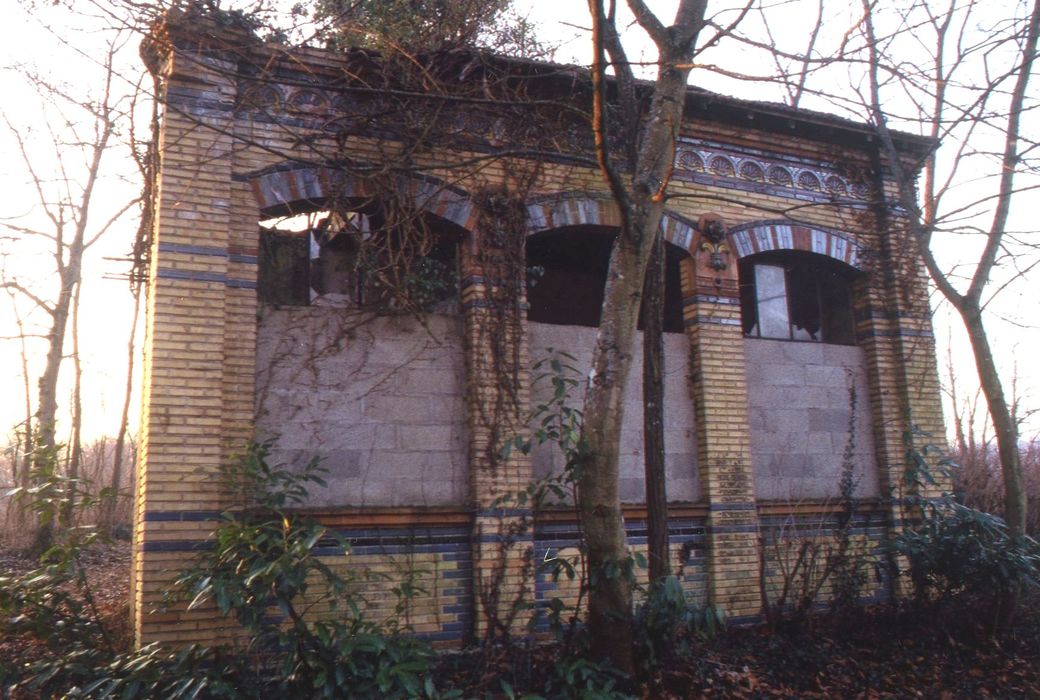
<point>578,678</point>
<point>955,549</point>
<point>260,568</point>
<point>666,622</point>
<point>53,604</point>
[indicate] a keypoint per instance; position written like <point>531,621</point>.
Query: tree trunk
<point>111,505</point>
<point>610,594</point>
<point>1003,422</point>
<point>640,199</point>
<point>74,451</point>
<point>45,449</point>
<point>653,415</point>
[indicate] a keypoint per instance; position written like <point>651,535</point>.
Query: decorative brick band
<point>209,251</point>
<point>197,276</point>
<point>777,235</point>
<point>504,513</point>
<point>180,516</point>
<point>710,320</point>
<point>196,102</point>
<point>750,528</point>
<point>710,299</point>
<point>279,188</point>
<point>870,314</point>
<point>165,273</point>
<point>774,173</point>
<point>384,540</point>
<point>894,333</point>
<point>749,505</point>
<point>176,546</point>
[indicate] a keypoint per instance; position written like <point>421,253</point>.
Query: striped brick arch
<point>288,189</point>
<point>587,210</point>
<point>765,236</point>
<point>280,189</point>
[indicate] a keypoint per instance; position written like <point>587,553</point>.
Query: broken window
<point>568,272</point>
<point>797,296</point>
<point>334,262</point>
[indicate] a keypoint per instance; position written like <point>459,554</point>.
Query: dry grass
<point>979,483</point>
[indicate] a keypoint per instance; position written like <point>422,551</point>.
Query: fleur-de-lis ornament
<point>713,232</point>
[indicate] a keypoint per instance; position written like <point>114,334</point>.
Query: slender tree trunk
<point>22,463</point>
<point>958,417</point>
<point>640,199</point>
<point>74,452</point>
<point>610,596</point>
<point>653,415</point>
<point>118,458</point>
<point>45,452</point>
<point>1004,425</point>
<point>47,404</point>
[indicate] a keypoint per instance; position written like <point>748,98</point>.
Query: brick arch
<point>580,209</point>
<point>283,189</point>
<point>762,236</point>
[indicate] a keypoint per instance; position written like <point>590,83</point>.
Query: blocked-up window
<point>298,267</point>
<point>797,296</point>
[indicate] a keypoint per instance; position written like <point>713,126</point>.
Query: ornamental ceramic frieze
<point>697,160</point>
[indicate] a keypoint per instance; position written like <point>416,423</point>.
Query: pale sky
<point>105,307</point>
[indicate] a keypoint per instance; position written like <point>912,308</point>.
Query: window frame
<point>818,292</point>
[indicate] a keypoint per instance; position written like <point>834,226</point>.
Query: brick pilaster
<point>497,380</point>
<point>198,351</point>
<point>894,329</point>
<point>711,310</point>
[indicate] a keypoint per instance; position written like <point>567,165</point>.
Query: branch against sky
<point>66,165</point>
<point>992,69</point>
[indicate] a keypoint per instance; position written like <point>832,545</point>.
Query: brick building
<point>796,345</point>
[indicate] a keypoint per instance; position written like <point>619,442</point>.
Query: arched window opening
<point>357,260</point>
<point>567,272</point>
<point>791,295</point>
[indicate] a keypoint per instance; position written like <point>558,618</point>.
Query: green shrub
<point>579,678</point>
<point>667,622</point>
<point>954,549</point>
<point>261,565</point>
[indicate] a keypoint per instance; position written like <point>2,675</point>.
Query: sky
<point>106,308</point>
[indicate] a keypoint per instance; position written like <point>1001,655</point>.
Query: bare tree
<point>637,184</point>
<point>20,459</point>
<point>966,83</point>
<point>66,201</point>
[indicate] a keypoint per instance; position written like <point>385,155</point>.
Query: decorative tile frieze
<point>818,179</point>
